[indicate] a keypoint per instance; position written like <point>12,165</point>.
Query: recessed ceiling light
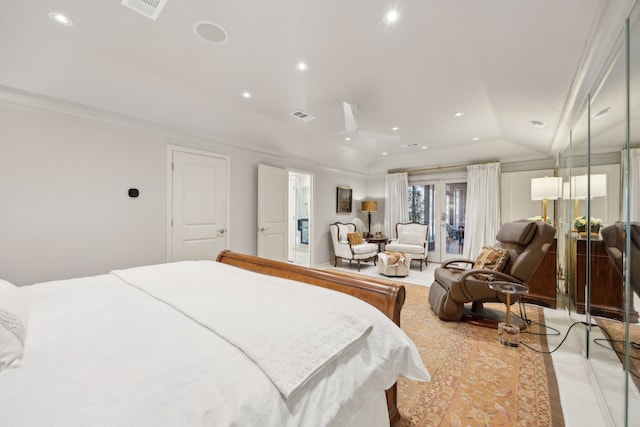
<point>391,17</point>
<point>302,66</point>
<point>60,19</point>
<point>475,138</point>
<point>424,147</point>
<point>246,94</point>
<point>384,154</point>
<point>536,123</point>
<point>395,128</point>
<point>347,139</point>
<point>458,114</point>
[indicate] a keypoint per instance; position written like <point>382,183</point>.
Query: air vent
<point>303,116</point>
<point>149,8</point>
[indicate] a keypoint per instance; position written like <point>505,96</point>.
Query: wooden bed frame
<point>385,295</point>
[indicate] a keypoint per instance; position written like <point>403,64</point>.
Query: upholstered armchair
<point>412,239</point>
<point>349,245</point>
<point>520,247</point>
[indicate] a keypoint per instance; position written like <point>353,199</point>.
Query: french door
<point>441,205</point>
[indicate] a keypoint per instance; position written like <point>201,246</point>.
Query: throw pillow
<point>343,230</point>
<point>13,325</point>
<point>355,238</point>
<point>492,258</point>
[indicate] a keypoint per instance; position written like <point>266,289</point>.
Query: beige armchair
<point>343,248</point>
<point>412,239</point>
<point>520,248</point>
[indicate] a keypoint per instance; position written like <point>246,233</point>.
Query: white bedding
<point>100,352</point>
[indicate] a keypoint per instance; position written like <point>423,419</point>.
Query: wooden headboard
<point>385,295</point>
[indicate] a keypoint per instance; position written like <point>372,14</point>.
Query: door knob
<point>221,231</point>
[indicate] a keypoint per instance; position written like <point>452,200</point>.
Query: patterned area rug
<point>615,333</point>
<point>475,380</point>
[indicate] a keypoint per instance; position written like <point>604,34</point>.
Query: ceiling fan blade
<point>350,125</point>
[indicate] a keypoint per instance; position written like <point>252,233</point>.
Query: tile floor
<point>590,389</point>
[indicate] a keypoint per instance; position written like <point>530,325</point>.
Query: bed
<point>237,341</point>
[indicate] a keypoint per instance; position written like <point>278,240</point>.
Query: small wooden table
<point>381,241</point>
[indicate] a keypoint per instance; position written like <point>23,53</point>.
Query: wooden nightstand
<point>381,241</point>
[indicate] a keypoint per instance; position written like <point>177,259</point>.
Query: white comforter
<point>101,352</point>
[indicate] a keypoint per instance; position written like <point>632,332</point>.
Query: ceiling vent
<point>149,8</point>
<point>303,116</point>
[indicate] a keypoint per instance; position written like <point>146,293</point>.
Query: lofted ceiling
<point>502,63</point>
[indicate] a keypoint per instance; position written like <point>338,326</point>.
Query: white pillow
<point>343,230</point>
<point>14,313</point>
<point>407,238</point>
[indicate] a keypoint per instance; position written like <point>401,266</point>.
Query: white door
<point>273,190</point>
<point>440,204</point>
<point>198,205</point>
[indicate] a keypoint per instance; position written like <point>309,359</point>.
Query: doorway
<point>440,204</point>
<point>299,245</point>
<point>285,210</point>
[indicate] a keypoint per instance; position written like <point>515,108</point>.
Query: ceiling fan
<point>351,127</point>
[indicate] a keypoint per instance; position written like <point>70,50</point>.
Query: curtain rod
<point>438,168</point>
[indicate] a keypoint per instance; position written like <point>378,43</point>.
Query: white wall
<point>515,197</point>
<point>64,208</point>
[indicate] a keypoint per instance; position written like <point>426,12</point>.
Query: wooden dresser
<point>542,285</point>
<point>607,289</point>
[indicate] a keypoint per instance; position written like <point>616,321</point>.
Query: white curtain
<point>634,182</point>
<point>482,216</point>
<point>396,207</point>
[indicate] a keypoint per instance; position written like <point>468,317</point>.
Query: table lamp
<point>581,187</point>
<point>547,188</point>
<point>369,206</point>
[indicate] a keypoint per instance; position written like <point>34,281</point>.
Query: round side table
<point>509,334</point>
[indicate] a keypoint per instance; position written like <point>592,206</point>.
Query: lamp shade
<point>566,193</point>
<point>580,185</point>
<point>549,188</point>
<point>369,206</point>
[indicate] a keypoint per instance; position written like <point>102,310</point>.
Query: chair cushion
<point>410,249</point>
<point>355,238</point>
<point>518,232</point>
<point>411,238</point>
<point>365,248</point>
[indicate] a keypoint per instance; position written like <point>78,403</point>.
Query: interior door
<point>198,205</point>
<point>273,190</point>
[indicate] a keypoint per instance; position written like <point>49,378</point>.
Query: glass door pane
<point>440,205</point>
<point>455,202</point>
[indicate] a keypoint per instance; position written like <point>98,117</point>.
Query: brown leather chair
<point>456,284</point>
<point>614,238</point>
